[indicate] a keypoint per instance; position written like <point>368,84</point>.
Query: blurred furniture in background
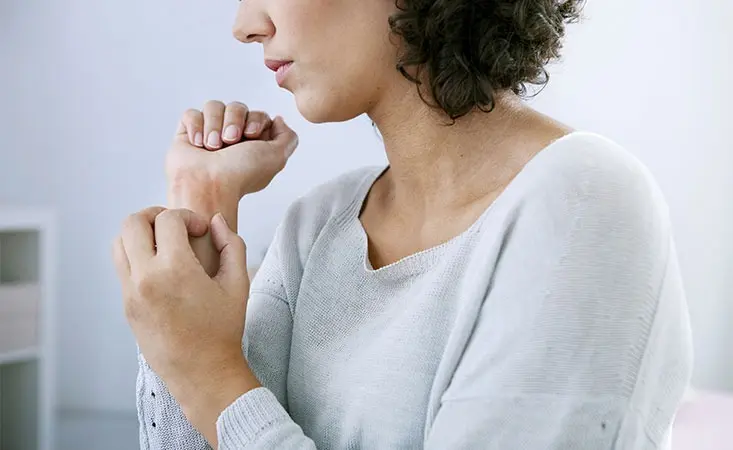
<point>26,329</point>
<point>704,422</point>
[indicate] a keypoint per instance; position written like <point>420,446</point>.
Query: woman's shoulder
<point>332,198</point>
<point>585,167</point>
<point>586,156</point>
<point>308,215</point>
<point>302,225</point>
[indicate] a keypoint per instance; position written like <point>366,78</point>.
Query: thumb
<point>283,137</point>
<point>232,273</point>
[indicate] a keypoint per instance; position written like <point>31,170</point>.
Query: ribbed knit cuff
<point>248,417</point>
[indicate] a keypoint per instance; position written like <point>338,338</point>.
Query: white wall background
<point>90,93</point>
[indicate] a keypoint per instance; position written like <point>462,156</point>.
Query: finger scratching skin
<point>149,214</point>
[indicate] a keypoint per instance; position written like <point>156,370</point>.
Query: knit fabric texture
<point>556,321</point>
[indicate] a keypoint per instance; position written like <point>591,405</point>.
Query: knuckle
<point>151,214</point>
<point>152,210</point>
<point>213,106</point>
<point>130,221</point>
<point>180,213</point>
<point>165,213</point>
<point>237,106</point>
<point>165,216</point>
<point>236,115</point>
<point>127,221</point>
<point>259,116</point>
<point>191,116</point>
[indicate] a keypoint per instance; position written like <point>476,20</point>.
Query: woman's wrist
<point>204,196</point>
<point>203,398</point>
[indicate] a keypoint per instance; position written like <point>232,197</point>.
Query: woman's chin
<point>320,108</point>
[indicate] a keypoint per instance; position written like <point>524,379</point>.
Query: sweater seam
<point>631,407</point>
<point>360,195</point>
<point>342,215</point>
<point>653,320</point>
<point>141,407</point>
<point>270,294</point>
<point>275,249</point>
<point>629,397</point>
<point>585,196</point>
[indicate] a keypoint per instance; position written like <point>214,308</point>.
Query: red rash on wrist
<point>205,196</point>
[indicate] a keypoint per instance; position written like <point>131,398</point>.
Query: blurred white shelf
<point>19,316</point>
<point>23,219</point>
<point>27,400</point>
<point>24,355</point>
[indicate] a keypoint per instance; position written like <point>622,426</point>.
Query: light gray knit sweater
<point>556,321</point>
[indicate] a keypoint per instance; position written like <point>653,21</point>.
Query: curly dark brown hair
<point>467,50</point>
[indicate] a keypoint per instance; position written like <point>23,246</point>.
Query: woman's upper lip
<point>274,64</point>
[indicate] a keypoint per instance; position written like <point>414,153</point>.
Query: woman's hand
<point>210,168</point>
<point>188,325</point>
<point>229,149</point>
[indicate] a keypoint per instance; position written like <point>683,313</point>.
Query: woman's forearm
<point>206,199</point>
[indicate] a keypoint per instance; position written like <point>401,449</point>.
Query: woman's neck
<point>433,166</point>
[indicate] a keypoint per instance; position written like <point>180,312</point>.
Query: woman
<point>505,282</point>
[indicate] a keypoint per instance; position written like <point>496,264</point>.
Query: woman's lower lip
<point>281,72</point>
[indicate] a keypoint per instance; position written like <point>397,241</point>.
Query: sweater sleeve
<point>592,346</point>
<point>162,424</point>
<point>259,419</point>
<point>265,344</point>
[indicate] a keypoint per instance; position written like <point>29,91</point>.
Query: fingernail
<point>198,140</point>
<point>213,140</point>
<point>230,133</point>
<point>252,128</point>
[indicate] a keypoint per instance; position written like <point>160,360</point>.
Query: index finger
<point>138,238</point>
<point>173,228</point>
